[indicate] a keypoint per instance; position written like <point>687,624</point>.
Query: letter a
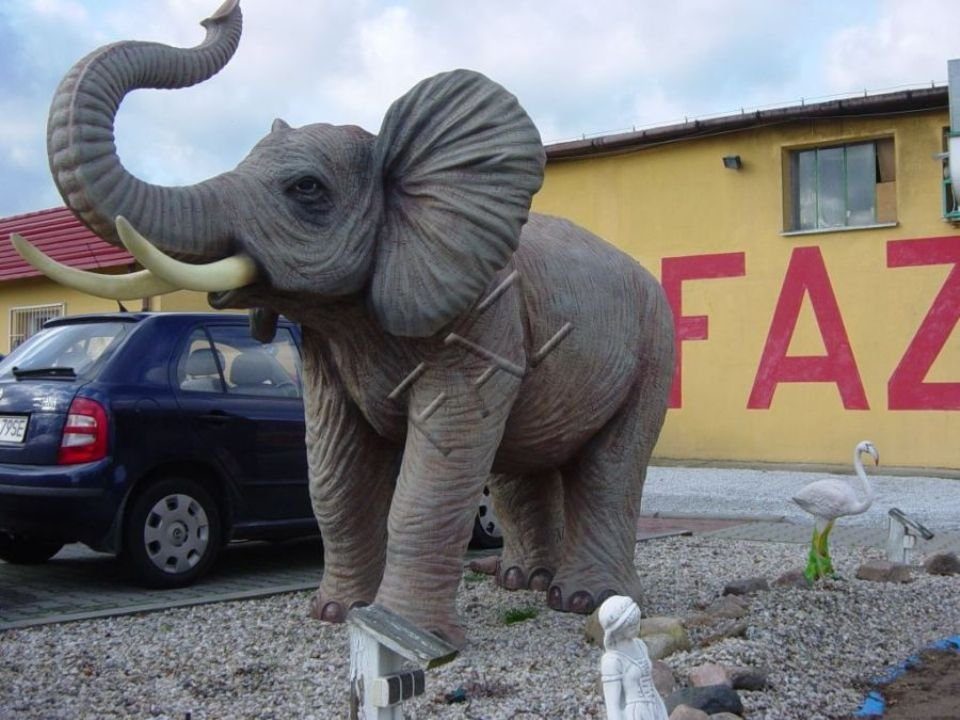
<point>807,274</point>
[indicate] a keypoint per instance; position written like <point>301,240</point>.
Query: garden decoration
<point>828,500</point>
<point>448,332</point>
<point>625,668</point>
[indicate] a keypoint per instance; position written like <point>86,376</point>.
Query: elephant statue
<point>451,338</point>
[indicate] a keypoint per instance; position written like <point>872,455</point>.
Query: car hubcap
<point>176,533</point>
<point>488,518</point>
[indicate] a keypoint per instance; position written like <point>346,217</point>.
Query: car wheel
<point>486,527</point>
<point>172,533</point>
<point>21,550</point>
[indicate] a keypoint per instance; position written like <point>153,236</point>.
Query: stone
<point>661,625</point>
<point>663,678</point>
<point>712,699</point>
<point>732,607</point>
<point>746,586</point>
<point>884,571</point>
<point>724,716</point>
<point>661,645</point>
<point>729,629</point>
<point>793,579</point>
<point>699,619</point>
<point>747,678</point>
<point>592,631</point>
<point>708,674</point>
<point>685,712</point>
<point>944,563</point>
<point>662,635</point>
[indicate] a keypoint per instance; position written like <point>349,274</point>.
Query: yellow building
<point>812,267</point>
<point>808,254</point>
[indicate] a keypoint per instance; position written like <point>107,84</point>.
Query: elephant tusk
<point>112,287</point>
<point>228,274</point>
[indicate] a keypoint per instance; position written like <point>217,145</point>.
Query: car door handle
<point>216,417</point>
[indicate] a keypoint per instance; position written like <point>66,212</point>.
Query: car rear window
<point>63,350</point>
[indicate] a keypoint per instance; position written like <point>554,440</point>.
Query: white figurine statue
<point>628,689</point>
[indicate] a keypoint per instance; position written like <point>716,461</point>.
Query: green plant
<point>516,615</point>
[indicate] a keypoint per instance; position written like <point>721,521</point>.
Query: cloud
<point>578,68</point>
<point>907,43</point>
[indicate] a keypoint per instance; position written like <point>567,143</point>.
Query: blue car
<point>157,437</point>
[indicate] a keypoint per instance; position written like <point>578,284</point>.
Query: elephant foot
<point>451,634</point>
<point>516,578</point>
<point>581,602</point>
<point>583,594</point>
<point>333,611</point>
<point>486,566</point>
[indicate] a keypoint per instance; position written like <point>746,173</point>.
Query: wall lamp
<point>732,162</point>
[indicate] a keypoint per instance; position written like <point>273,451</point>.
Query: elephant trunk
<point>83,158</point>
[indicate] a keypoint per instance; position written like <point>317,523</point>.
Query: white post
<point>953,142</point>
<point>902,536</point>
<point>370,660</point>
<point>895,537</point>
<point>388,656</point>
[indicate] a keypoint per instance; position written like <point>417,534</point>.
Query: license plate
<point>13,428</point>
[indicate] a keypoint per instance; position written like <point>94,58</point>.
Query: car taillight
<point>84,434</point>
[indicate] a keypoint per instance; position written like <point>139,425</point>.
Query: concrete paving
<point>728,504</point>
<point>79,584</point>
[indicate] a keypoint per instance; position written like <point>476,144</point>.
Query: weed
<point>516,615</point>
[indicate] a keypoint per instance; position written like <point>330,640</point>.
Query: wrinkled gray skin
<point>385,248</point>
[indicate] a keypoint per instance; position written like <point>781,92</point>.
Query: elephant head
<point>414,221</point>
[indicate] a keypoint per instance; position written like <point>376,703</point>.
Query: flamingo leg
<point>812,571</point>
<point>826,564</point>
<point>819,564</point>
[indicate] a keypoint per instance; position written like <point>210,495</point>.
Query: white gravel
<point>265,659</point>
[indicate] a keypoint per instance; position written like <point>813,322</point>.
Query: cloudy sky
<point>578,67</point>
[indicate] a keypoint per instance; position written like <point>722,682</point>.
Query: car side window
<point>200,366</point>
<point>254,368</point>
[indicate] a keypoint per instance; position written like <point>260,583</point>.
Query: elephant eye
<point>310,192</point>
<point>307,186</point>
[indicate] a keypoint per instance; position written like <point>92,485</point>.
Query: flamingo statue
<point>827,500</point>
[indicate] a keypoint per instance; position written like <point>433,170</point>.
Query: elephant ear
<point>461,161</point>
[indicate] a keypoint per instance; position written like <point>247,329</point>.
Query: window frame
<point>947,200</point>
<point>14,312</point>
<point>791,191</point>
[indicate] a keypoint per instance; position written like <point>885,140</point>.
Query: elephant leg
<point>446,461</point>
<point>602,488</point>
<point>430,523</point>
<point>352,476</point>
<point>530,510</point>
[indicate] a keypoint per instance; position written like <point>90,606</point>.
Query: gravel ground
<point>264,659</point>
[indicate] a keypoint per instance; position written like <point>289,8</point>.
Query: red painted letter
<point>807,274</point>
<point>906,389</point>
<point>673,271</point>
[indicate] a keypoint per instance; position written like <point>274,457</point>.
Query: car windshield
<point>62,351</point>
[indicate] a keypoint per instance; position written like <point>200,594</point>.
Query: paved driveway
<point>79,584</point>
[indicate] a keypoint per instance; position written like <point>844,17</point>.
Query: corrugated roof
<point>61,236</point>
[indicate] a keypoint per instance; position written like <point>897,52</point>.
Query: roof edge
<point>918,100</point>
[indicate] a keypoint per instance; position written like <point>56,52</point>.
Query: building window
<point>841,186</point>
<point>951,211</point>
<point>27,321</point>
